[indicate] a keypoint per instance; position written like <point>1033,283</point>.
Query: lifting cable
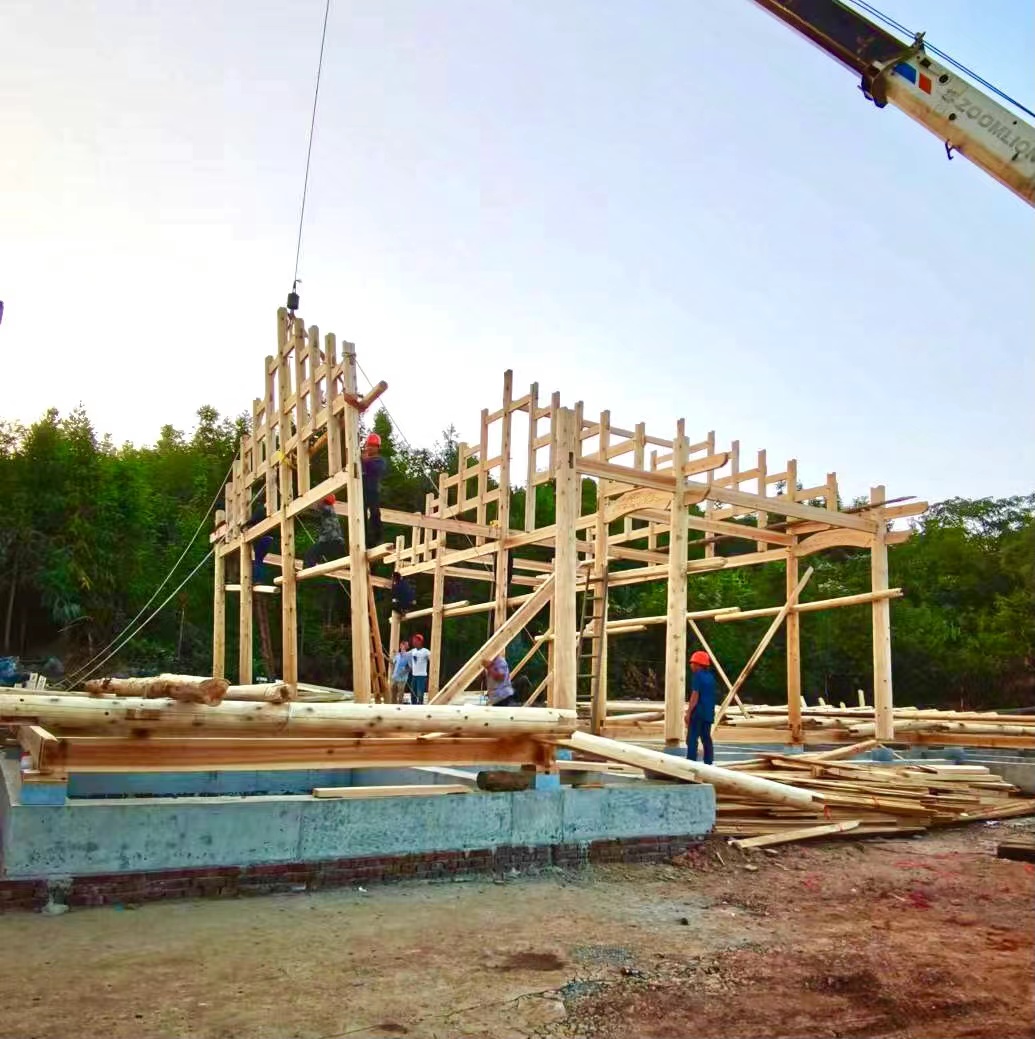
<point>292,301</point>
<point>899,27</point>
<point>78,675</point>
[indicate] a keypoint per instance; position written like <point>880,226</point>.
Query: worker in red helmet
<point>420,658</point>
<point>700,708</point>
<point>374,469</point>
<point>330,542</point>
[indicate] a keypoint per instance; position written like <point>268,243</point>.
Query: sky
<point>669,208</point>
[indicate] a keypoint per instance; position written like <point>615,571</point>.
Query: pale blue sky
<point>673,207</point>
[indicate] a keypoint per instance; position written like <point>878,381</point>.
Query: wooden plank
<point>804,834</point>
<point>39,744</point>
<point>349,793</point>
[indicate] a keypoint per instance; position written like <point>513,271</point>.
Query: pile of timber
<point>775,798</point>
<point>865,798</point>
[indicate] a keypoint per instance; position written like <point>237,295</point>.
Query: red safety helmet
<point>329,500</point>
<point>418,640</point>
<point>700,657</point>
<point>373,440</point>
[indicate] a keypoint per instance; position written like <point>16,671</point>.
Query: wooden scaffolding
<point>308,421</point>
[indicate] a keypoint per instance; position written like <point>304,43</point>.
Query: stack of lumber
<point>865,798</point>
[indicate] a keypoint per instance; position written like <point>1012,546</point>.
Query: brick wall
<point>232,881</point>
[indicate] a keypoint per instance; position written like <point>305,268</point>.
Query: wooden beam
<point>863,598</point>
<point>219,617</point>
<point>564,622</point>
<point>359,574</point>
<point>675,624</point>
<point>793,651</point>
<point>881,618</point>
<point>288,600</point>
<point>497,641</point>
<point>782,505</point>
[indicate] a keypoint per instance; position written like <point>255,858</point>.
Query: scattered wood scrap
<point>870,797</point>
<point>1021,849</point>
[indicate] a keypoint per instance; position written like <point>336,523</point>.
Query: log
<point>80,714</point>
<point>268,692</point>
<point>185,688</point>
<point>693,771</point>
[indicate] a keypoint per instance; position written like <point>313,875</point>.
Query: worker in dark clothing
<point>330,542</point>
<point>403,596</point>
<point>374,469</point>
<point>262,545</point>
<point>700,708</point>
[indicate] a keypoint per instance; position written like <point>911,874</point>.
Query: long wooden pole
<point>288,605</point>
<point>247,612</point>
<point>219,617</point>
<point>761,647</point>
<point>564,620</point>
<point>359,572</point>
<point>793,649</point>
<point>101,715</point>
<point>675,625</point>
<point>598,671</point>
<point>881,614</point>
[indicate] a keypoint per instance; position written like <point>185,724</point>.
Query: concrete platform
<point>134,834</point>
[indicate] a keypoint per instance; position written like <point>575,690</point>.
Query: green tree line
<point>89,530</point>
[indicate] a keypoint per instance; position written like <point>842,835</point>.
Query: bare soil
<point>929,937</point>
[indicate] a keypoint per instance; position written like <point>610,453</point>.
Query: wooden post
<point>882,691</point>
<point>289,608</point>
<point>244,646</point>
<point>563,620</point>
<point>530,484</point>
<point>437,594</point>
<point>793,650</point>
<point>598,644</point>
<point>675,623</point>
<point>503,504</point>
<point>334,459</point>
<point>219,616</point>
<point>359,571</point>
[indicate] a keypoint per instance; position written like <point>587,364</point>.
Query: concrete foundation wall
<point>121,835</point>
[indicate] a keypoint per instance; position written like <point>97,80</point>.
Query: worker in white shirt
<point>419,658</point>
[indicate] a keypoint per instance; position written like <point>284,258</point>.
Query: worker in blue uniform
<point>700,707</point>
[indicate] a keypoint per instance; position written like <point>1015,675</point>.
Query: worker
<point>330,542</point>
<point>419,663</point>
<point>403,595</point>
<point>700,708</point>
<point>263,544</point>
<point>400,671</point>
<point>499,691</point>
<point>374,469</point>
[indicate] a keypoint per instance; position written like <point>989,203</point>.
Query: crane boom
<point>904,75</point>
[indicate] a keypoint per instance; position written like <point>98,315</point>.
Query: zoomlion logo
<point>1004,130</point>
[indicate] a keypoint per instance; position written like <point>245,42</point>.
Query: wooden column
<point>288,589</point>
<point>793,623</point>
<point>675,623</point>
<point>334,459</point>
<point>359,571</point>
<point>503,505</point>
<point>530,484</point>
<point>598,669</point>
<point>563,619</point>
<point>438,589</point>
<point>219,616</point>
<point>244,645</point>
<point>882,691</point>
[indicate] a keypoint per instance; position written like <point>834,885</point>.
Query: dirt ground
<point>907,938</point>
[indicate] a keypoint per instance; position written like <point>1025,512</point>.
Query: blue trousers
<point>418,687</point>
<point>700,729</point>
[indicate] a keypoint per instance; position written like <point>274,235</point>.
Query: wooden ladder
<point>379,672</point>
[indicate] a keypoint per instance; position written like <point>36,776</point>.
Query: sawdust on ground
<point>910,939</point>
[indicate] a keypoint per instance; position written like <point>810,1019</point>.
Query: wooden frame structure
<point>639,532</point>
